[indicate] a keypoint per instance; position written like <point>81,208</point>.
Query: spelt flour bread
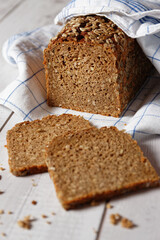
<point>26,141</point>
<point>93,66</point>
<point>97,164</point>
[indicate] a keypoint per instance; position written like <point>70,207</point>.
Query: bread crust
<point>98,197</point>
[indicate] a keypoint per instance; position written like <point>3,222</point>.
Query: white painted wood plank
<point>142,208</point>
<point>5,113</point>
<point>19,193</point>
<point>6,7</point>
<point>29,15</point>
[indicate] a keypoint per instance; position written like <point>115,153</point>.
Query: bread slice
<point>26,141</point>
<point>97,164</point>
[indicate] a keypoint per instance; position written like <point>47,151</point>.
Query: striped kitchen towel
<point>26,95</point>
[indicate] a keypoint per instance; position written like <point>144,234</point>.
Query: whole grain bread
<point>97,164</point>
<point>93,66</point>
<point>26,141</point>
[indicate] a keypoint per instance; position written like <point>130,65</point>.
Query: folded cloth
<point>138,19</point>
<point>26,95</point>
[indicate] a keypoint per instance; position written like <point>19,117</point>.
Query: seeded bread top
<point>92,28</point>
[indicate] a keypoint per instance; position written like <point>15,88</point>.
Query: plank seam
<point>4,124</point>
<point>101,223</point>
<point>11,10</point>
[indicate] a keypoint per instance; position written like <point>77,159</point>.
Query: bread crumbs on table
<point>2,169</point>
<point>48,222</point>
<point>53,213</point>
<point>44,216</point>
<point>34,202</point>
<point>126,223</point>
<point>3,234</point>
<point>1,192</point>
<point>34,184</point>
<point>26,222</point>
<point>1,211</point>
<point>10,212</point>
<point>108,206</point>
<point>115,218</point>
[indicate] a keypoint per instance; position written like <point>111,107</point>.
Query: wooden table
<point>18,193</point>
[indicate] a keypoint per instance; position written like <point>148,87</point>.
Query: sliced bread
<point>97,164</point>
<point>26,141</point>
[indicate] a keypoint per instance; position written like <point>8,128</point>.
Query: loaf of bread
<point>26,141</point>
<point>97,164</point>
<point>93,66</point>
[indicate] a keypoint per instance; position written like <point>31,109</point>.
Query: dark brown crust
<point>28,171</point>
<point>107,195</point>
<point>97,197</point>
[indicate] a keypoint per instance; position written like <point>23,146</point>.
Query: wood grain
<point>6,7</point>
<point>27,16</point>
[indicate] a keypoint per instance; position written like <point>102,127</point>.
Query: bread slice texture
<point>26,141</point>
<point>93,66</point>
<point>97,164</point>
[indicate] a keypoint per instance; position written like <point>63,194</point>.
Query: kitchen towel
<point>26,95</point>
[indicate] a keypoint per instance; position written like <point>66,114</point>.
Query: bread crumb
<point>115,218</point>
<point>3,234</point>
<point>34,184</point>
<point>1,192</point>
<point>108,206</point>
<point>34,202</point>
<point>48,222</point>
<point>2,169</point>
<point>9,212</point>
<point>1,211</point>
<point>0,177</point>
<point>53,213</point>
<point>26,222</point>
<point>126,223</point>
<point>44,216</point>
